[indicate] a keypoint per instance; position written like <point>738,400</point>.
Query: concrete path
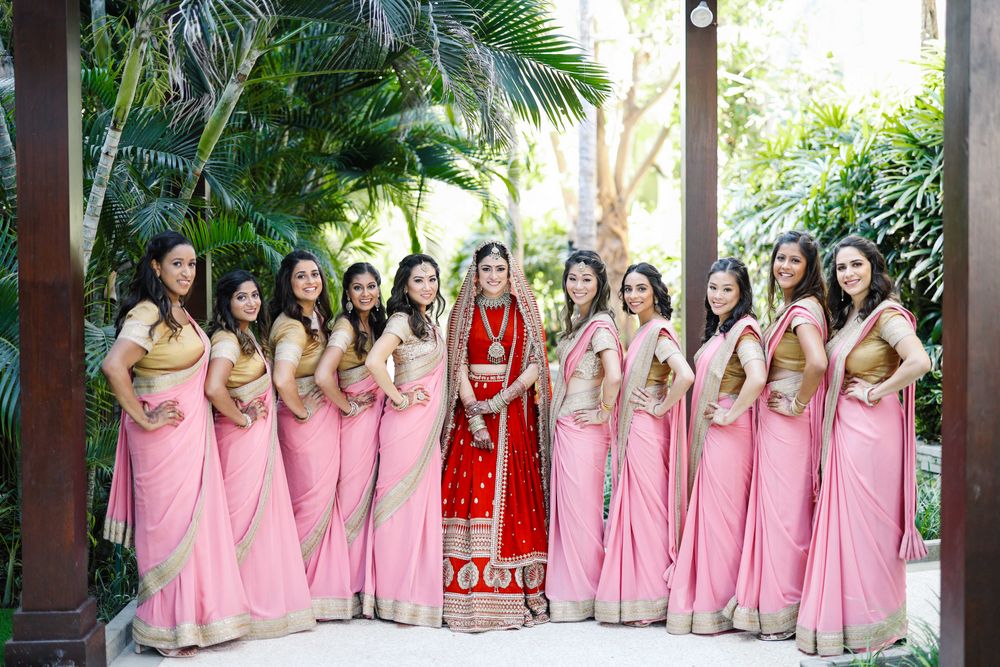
<point>363,642</point>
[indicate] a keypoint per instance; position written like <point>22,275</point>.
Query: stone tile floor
<point>363,642</point>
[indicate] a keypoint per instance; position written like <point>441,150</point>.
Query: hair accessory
<point>495,252</point>
<point>581,266</point>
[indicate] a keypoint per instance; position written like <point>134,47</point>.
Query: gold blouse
<point>748,348</point>
<point>165,353</point>
<point>342,338</point>
<point>788,352</point>
<point>414,357</point>
<point>246,367</point>
<point>659,370</point>
<point>291,342</point>
<point>589,366</point>
<point>874,359</point>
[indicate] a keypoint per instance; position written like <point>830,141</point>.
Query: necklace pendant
<point>496,353</point>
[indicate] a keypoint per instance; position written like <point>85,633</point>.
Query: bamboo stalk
<point>123,105</point>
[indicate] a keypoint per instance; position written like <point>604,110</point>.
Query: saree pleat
<point>168,493</point>
<point>260,510</point>
<point>358,467</point>
<point>311,453</point>
<point>404,577</point>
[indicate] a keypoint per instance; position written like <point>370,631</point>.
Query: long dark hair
<point>812,283</point>
<point>399,300</point>
<point>881,288</point>
<point>146,285</point>
<point>222,318</point>
<point>744,306</point>
<point>376,318</point>
<point>283,299</point>
<point>601,299</point>
<point>661,296</point>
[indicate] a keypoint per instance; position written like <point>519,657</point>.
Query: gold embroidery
<point>700,623</point>
<point>154,384</point>
<point>872,636</point>
<point>403,612</point>
<point>628,611</point>
<point>751,620</point>
<point>271,628</point>
<point>570,611</point>
<point>336,609</point>
<point>243,546</point>
<point>356,521</point>
<point>315,535</point>
<point>251,390</point>
<point>351,376</point>
<point>190,634</point>
<point>479,612</point>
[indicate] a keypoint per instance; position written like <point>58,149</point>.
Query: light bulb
<point>701,16</point>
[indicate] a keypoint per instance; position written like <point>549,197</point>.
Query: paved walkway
<point>363,642</point>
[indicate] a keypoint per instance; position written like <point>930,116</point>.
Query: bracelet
<point>496,403</point>
<point>248,421</point>
<point>605,407</point>
<point>798,407</point>
<point>476,423</point>
<point>866,397</point>
<point>302,419</point>
<point>402,405</point>
<point>353,410</point>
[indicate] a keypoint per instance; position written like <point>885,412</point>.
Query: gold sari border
<point>118,532</point>
<point>401,492</point>
<point>629,611</point>
<point>699,623</point>
<point>870,637</point>
<point>419,368</point>
<point>336,609</point>
<point>290,623</point>
<point>312,540</point>
<point>570,611</point>
<point>154,384</point>
<point>407,613</point>
<point>751,619</point>
<point>170,567</point>
<point>244,545</point>
<point>251,390</point>
<point>190,634</point>
<point>345,378</point>
<point>305,385</point>
<point>356,521</point>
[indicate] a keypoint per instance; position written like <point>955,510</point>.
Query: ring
<point>420,396</point>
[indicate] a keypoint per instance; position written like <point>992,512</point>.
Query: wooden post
<point>970,538</point>
<point>57,620</point>
<point>699,169</point>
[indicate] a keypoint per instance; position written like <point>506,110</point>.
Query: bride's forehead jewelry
<point>495,252</point>
<point>580,267</point>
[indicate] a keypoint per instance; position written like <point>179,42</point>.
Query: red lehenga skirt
<point>493,512</point>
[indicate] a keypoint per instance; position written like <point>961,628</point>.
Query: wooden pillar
<point>970,539</point>
<point>57,620</point>
<point>699,169</point>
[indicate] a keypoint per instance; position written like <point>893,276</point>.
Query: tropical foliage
<point>257,126</point>
<point>842,168</point>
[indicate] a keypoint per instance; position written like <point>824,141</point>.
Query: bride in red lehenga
<point>495,451</point>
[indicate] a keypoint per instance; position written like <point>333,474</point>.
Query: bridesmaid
<point>789,417</point>
<point>854,595</point>
<point>649,463</point>
<point>590,358</point>
<point>346,382</point>
<point>260,509</point>
<point>167,488</point>
<point>404,581</point>
<point>729,377</point>
<point>309,433</point>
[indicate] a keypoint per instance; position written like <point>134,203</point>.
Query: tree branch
<point>649,161</point>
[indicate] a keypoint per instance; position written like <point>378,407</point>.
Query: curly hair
<point>744,306</point>
<point>283,300</point>
<point>376,318</point>
<point>222,316</point>
<point>880,289</point>
<point>399,300</point>
<point>661,296</point>
<point>812,283</point>
<point>146,285</point>
<point>601,299</point>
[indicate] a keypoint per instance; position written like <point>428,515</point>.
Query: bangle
<point>402,405</point>
<point>867,397</point>
<point>798,406</point>
<point>605,407</point>
<point>247,421</point>
<point>496,403</point>
<point>353,410</point>
<point>302,419</point>
<point>476,423</point>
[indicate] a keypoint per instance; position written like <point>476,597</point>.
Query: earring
<point>350,306</point>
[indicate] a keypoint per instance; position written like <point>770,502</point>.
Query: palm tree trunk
<point>123,105</point>
<point>219,118</point>
<point>928,21</point>
<point>8,164</point>
<point>99,30</point>
<point>586,224</point>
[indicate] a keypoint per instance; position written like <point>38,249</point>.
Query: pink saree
<point>704,576</point>
<point>779,516</point>
<point>358,466</point>
<point>579,456</point>
<point>404,581</point>
<point>854,595</point>
<point>167,493</point>
<point>260,510</point>
<point>649,499</point>
<point>311,452</point>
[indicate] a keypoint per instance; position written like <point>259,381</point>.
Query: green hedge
<point>851,168</point>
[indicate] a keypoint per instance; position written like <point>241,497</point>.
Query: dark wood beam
<point>970,539</point>
<point>57,620</point>
<point>699,169</point>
